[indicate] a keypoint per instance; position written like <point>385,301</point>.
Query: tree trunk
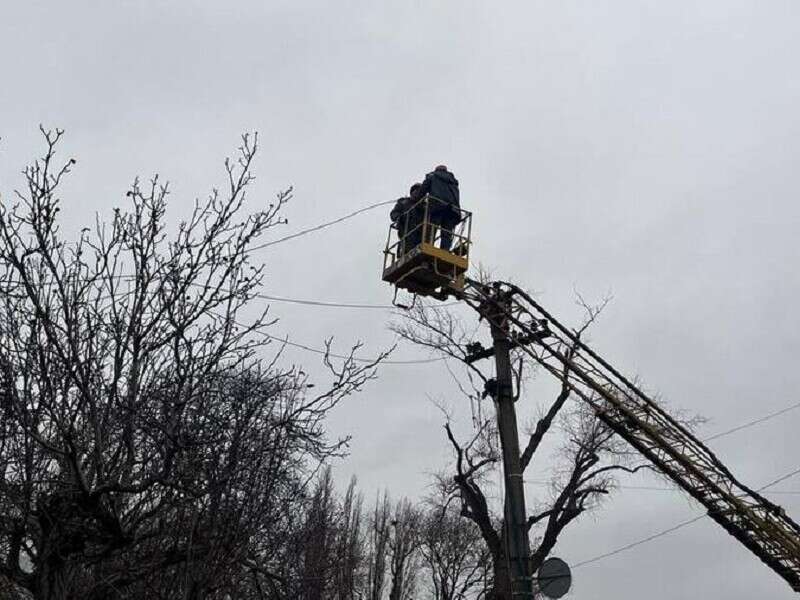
<point>397,587</point>
<point>51,580</point>
<point>60,538</point>
<point>501,584</point>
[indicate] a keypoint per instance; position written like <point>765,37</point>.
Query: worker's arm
<point>425,187</point>
<point>398,210</point>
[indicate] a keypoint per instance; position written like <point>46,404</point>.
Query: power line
<point>297,234</point>
<point>303,232</point>
<point>753,422</point>
<point>344,357</point>
<point>323,302</point>
<point>322,225</point>
<point>332,304</point>
<point>653,488</point>
<point>738,428</point>
<point>680,525</point>
<point>639,542</point>
<point>779,480</point>
<point>318,228</point>
<point>699,517</point>
<point>271,298</point>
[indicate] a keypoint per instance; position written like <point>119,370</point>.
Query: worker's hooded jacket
<point>442,185</point>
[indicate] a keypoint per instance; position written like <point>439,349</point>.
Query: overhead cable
<point>332,304</point>
<point>639,542</point>
<point>680,525</point>
<point>741,427</point>
<point>344,357</point>
<point>323,302</point>
<point>754,422</point>
<point>654,488</point>
<point>303,232</point>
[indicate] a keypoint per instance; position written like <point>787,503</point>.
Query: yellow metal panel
<point>460,262</point>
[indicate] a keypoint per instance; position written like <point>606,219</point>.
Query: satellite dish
<point>554,578</point>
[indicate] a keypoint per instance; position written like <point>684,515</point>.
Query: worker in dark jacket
<point>399,218</point>
<point>415,193</point>
<point>407,216</point>
<point>415,216</point>
<point>444,212</point>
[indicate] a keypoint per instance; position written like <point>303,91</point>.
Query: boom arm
<point>759,524</point>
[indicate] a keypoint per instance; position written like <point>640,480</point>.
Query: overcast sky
<point>649,149</point>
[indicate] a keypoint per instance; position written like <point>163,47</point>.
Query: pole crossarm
<point>759,524</point>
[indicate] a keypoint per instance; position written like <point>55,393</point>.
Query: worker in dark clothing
<point>444,212</point>
<point>407,216</point>
<point>399,217</point>
<point>415,193</point>
<point>415,216</point>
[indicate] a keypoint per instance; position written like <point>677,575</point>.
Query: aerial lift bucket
<point>426,255</point>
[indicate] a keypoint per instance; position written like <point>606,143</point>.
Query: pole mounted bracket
<point>495,390</point>
<point>476,351</point>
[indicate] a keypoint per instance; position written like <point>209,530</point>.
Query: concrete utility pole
<point>516,525</point>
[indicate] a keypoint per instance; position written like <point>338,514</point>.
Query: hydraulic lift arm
<point>762,526</point>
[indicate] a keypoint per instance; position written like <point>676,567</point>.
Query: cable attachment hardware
<point>494,389</point>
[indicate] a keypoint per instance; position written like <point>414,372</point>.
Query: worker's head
<point>441,168</point>
<point>414,188</point>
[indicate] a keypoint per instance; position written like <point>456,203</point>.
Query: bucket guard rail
<point>427,249</point>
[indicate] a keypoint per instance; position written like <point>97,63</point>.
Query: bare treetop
<point>146,431</point>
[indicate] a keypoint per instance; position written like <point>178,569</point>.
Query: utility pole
<point>516,522</point>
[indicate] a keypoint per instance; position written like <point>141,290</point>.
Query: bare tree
<point>378,547</point>
<point>591,455</point>
<point>145,447</point>
<point>456,559</point>
<point>349,545</point>
<point>404,544</point>
<point>317,542</point>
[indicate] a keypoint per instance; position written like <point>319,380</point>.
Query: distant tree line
<point>346,549</point>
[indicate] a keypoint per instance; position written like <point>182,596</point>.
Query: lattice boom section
<point>760,525</point>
